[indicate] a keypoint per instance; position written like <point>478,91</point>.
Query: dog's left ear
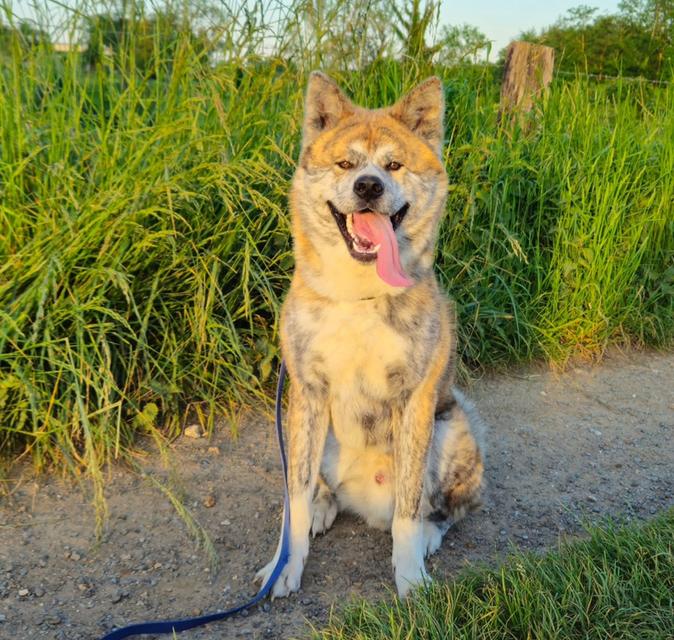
<point>324,107</point>
<point>422,111</point>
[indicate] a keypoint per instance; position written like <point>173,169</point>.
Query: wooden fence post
<point>527,73</point>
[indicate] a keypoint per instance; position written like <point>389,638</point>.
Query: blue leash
<point>171,626</point>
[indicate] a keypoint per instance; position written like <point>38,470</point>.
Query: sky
<point>502,20</point>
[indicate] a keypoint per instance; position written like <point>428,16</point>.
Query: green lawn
<point>617,584</point>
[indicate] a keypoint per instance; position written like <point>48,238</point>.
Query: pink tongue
<point>377,228</point>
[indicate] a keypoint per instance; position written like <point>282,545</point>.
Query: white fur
<point>325,511</point>
<point>352,472</point>
<point>291,577</point>
<point>408,554</point>
<point>433,534</point>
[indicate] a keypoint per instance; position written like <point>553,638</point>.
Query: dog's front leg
<point>411,440</point>
<point>308,418</point>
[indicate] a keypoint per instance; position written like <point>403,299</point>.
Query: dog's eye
<point>344,164</point>
<point>393,166</point>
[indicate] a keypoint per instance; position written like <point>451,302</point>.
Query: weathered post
<point>527,74</point>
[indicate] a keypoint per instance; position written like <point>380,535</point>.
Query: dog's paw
<point>432,538</point>
<point>408,555</point>
<point>325,512</point>
<point>290,579</point>
<point>409,573</point>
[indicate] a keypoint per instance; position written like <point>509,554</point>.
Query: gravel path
<point>562,448</point>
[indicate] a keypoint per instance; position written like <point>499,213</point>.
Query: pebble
<point>23,593</point>
<point>39,592</point>
<point>214,451</point>
<point>194,431</point>
<point>3,617</point>
<point>208,501</point>
<point>118,596</point>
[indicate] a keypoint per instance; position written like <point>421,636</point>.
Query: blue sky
<point>502,20</point>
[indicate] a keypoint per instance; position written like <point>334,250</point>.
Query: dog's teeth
<point>349,225</point>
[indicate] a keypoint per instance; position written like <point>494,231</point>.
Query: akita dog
<point>374,423</point>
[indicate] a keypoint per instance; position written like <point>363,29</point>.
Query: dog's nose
<point>368,187</point>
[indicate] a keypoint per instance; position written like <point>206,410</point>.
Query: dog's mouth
<point>370,236</point>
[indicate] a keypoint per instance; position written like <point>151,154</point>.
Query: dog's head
<point>369,191</point>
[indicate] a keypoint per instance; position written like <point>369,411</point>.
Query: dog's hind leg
<point>325,508</point>
<point>454,477</point>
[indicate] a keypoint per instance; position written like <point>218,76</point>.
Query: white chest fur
<point>359,355</point>
<point>357,350</point>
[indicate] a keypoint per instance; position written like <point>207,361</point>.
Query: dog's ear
<point>324,107</point>
<point>422,111</point>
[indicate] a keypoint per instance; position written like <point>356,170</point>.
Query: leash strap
<point>176,626</point>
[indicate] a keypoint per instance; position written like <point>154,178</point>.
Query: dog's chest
<point>365,363</point>
<point>359,353</point>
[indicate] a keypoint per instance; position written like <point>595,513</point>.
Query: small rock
<point>194,431</point>
<point>75,556</point>
<point>53,619</point>
<point>23,593</point>
<point>39,592</point>
<point>3,617</point>
<point>214,451</point>
<point>208,501</point>
<point>225,523</point>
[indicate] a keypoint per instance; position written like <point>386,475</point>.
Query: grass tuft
<point>618,583</point>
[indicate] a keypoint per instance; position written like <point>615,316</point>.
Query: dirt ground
<point>562,448</point>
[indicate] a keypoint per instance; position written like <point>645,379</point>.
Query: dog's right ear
<point>324,107</point>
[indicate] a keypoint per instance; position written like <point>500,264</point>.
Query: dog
<point>375,425</point>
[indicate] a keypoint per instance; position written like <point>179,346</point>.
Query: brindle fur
<point>375,424</point>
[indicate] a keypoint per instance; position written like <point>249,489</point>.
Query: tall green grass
<point>144,232</point>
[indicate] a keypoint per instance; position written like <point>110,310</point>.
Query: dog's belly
<point>362,479</point>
